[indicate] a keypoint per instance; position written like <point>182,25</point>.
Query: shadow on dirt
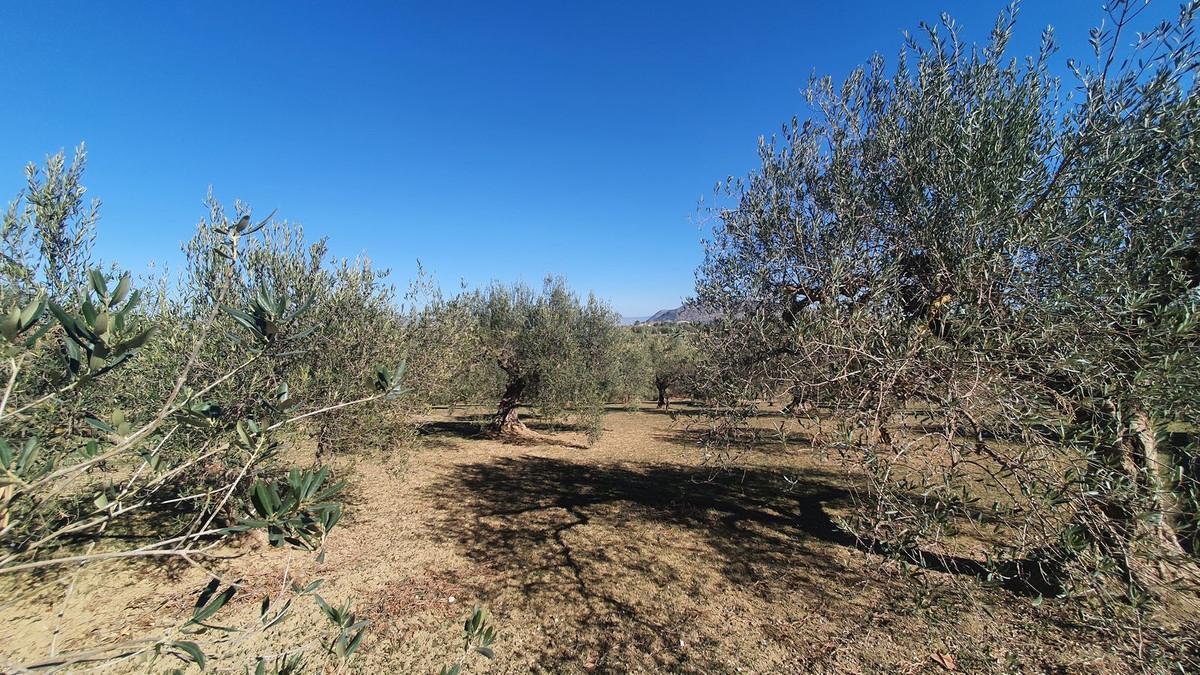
<point>526,516</point>
<point>761,441</point>
<point>459,428</point>
<point>606,538</point>
<point>475,427</point>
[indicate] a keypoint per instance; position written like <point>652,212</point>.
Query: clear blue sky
<point>488,141</point>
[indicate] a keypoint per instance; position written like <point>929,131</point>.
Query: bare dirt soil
<point>630,556</point>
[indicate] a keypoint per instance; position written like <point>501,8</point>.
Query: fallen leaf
<point>945,660</point>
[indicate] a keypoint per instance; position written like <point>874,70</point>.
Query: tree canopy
<point>966,245</point>
<point>671,355</point>
<point>545,348</point>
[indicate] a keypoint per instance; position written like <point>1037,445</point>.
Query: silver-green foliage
<point>979,283</point>
<point>631,378</point>
<point>546,349</point>
<point>161,424</point>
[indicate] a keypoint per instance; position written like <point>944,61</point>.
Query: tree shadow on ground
<point>475,427</point>
<point>609,539</point>
<point>761,441</point>
<point>532,438</point>
<point>537,424</point>
<point>1022,576</point>
<point>526,518</point>
<point>460,428</point>
<point>689,409</point>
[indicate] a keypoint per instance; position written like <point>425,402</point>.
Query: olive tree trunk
<point>1154,463</point>
<point>664,394</point>
<point>506,420</point>
<point>1139,525</point>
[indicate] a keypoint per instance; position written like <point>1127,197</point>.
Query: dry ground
<point>628,556</point>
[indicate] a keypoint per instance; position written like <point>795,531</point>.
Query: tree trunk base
<point>508,428</point>
<point>507,423</point>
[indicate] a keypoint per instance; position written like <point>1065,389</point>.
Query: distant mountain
<point>665,316</point>
<point>685,314</point>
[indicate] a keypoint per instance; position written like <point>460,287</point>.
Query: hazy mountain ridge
<point>683,314</point>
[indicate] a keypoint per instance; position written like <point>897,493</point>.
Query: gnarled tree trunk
<point>506,421</point>
<point>1162,527</point>
<point>664,394</point>
<point>1138,525</point>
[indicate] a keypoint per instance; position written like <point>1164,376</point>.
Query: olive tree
<point>437,341</point>
<point>979,283</point>
<point>672,358</point>
<point>546,349</point>
<point>630,377</point>
<point>132,433</point>
<point>47,232</point>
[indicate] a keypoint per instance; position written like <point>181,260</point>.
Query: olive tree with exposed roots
<point>546,349</point>
<point>979,284</point>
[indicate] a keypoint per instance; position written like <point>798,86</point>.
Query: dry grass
<point>628,556</point>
